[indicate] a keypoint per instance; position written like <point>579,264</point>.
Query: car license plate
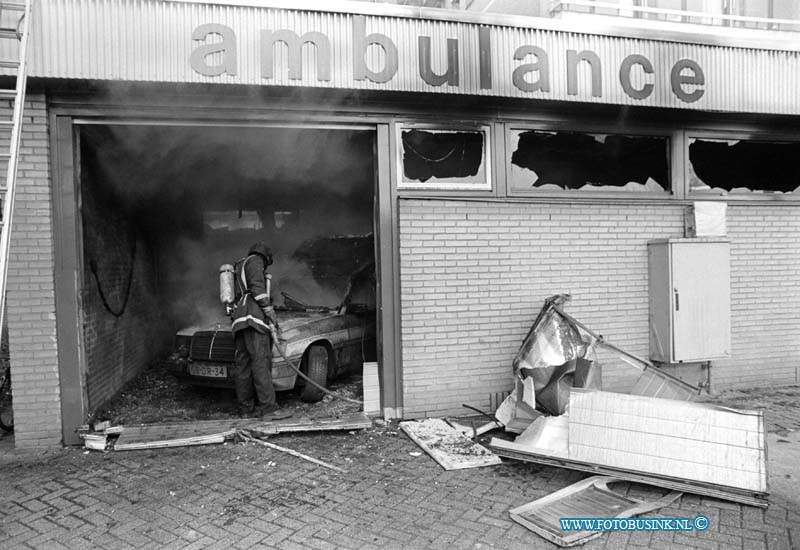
<point>208,371</point>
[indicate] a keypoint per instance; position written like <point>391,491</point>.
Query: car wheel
<point>317,371</point>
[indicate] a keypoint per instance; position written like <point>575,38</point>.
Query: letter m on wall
<point>295,46</point>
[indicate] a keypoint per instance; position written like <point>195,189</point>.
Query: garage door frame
<point>68,235</point>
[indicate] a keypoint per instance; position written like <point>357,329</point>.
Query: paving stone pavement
<point>244,496</point>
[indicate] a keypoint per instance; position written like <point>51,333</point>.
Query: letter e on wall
<point>222,53</point>
<point>678,78</point>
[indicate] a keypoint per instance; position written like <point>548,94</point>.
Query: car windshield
<point>359,293</point>
<point>325,273</point>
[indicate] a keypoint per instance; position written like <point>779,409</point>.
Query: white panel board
<point>691,441</point>
<point>447,446</point>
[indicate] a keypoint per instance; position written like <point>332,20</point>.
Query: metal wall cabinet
<point>690,287</point>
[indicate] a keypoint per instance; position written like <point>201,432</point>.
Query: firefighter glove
<point>269,315</point>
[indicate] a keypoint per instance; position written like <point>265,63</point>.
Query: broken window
<point>740,166</point>
<point>444,159</point>
<point>566,161</point>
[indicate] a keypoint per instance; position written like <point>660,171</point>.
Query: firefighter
<point>251,319</point>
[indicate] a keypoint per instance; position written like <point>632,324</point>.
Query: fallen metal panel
<point>656,383</point>
<point>661,437</point>
<point>508,449</point>
<point>547,435</point>
<point>589,498</point>
<point>448,446</point>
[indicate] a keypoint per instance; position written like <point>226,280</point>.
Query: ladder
<point>19,14</point>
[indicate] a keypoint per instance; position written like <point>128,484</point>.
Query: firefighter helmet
<point>262,250</point>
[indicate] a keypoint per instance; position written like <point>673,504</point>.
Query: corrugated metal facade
<point>141,40</point>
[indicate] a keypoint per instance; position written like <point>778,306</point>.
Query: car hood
<point>287,320</point>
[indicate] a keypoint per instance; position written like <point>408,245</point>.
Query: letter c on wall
<point>625,76</point>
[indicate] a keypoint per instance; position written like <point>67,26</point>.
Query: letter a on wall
<point>224,51</point>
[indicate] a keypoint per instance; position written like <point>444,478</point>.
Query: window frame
<point>483,188</point>
<point>730,135</point>
<point>673,192</point>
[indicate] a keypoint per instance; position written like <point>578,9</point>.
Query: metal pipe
<point>601,340</point>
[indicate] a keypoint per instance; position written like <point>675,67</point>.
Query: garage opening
<point>163,207</point>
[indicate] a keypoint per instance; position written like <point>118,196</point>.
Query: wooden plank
<point>589,498</point>
<point>447,446</point>
<point>123,444</point>
<point>355,421</point>
<point>176,430</point>
<point>606,428</point>
<point>152,436</point>
<point>508,449</point>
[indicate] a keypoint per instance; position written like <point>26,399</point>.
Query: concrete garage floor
<point>247,496</point>
<point>158,397</point>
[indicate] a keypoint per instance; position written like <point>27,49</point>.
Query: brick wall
<point>473,277</point>
<point>765,301</point>
<point>31,289</point>
<point>121,334</point>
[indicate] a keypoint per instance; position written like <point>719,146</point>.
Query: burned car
<point>322,341</point>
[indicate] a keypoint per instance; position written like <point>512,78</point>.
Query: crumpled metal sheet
<point>549,355</point>
<point>553,342</point>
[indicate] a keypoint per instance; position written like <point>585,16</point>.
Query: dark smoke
<point>200,196</point>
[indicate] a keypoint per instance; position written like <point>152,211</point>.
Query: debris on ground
<point>553,356</point>
<point>693,447</point>
<point>696,442</point>
<point>653,381</point>
<point>95,442</point>
<point>353,421</point>
<point>247,436</point>
<point>547,435</point>
<point>160,437</point>
<point>446,445</point>
<point>657,434</point>
<point>473,430</point>
<point>157,396</point>
<point>589,498</point>
<point>209,432</point>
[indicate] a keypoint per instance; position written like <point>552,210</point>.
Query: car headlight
<point>182,346</point>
